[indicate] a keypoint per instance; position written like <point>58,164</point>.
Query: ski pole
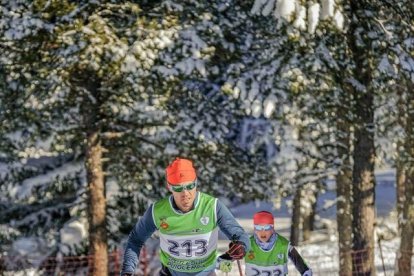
<point>234,239</point>
<point>239,266</point>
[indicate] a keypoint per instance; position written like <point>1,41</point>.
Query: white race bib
<point>255,270</point>
<point>189,247</point>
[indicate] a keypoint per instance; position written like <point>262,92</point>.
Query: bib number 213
<point>200,248</point>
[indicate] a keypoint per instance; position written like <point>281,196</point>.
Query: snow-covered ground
<point>321,252</point>
<point>385,200</point>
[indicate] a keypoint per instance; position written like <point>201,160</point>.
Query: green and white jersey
<point>267,263</point>
<point>188,241</point>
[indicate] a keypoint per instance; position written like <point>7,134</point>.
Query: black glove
<point>236,251</point>
<point>226,257</point>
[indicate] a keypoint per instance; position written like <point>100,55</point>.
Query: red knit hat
<point>180,171</point>
<point>263,217</point>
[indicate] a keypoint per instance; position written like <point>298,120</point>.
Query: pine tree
<point>109,93</point>
<point>346,43</point>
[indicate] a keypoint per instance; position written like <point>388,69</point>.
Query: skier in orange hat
<point>188,222</point>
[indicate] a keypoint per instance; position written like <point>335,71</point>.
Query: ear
<point>169,188</point>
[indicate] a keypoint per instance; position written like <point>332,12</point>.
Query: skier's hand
<point>237,250</point>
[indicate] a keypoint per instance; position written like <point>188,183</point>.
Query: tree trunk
<point>98,245</point>
<point>402,155</point>
<point>401,182</point>
<point>87,81</point>
<point>363,206</point>
<point>363,190</point>
<point>405,251</point>
<point>295,226</point>
<point>344,194</point>
<point>309,214</point>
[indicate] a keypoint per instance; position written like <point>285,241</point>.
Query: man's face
<point>184,198</point>
<point>263,232</point>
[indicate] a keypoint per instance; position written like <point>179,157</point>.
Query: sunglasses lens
<point>188,187</point>
<point>262,227</point>
<point>177,189</point>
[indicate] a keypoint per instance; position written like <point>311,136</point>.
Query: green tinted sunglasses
<point>181,188</point>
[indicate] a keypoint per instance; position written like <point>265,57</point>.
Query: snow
<point>130,64</point>
<point>324,52</point>
<point>313,17</point>
<point>300,21</point>
<point>197,41</point>
<point>72,234</point>
<point>256,133</point>
<point>256,108</point>
<point>186,66</point>
<point>35,152</point>
<point>201,68</point>
<point>25,189</point>
<point>268,8</point>
<point>285,9</point>
<point>269,106</point>
<point>257,6</point>
<point>240,90</point>
<point>172,5</point>
<point>25,246</point>
<point>32,250</point>
<point>339,20</point>
<point>357,84</point>
<point>385,199</point>
<point>327,10</point>
<point>171,149</point>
